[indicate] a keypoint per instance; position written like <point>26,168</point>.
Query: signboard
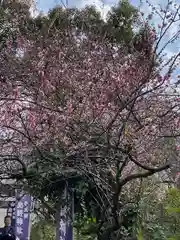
<point>11,211</point>
<point>64,218</point>
<point>22,215</point>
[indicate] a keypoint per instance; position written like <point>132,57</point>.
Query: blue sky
<point>46,4</point>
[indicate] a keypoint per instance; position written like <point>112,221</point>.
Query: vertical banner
<point>27,199</point>
<point>11,211</point>
<point>64,229</point>
<point>23,212</point>
<point>70,213</point>
<point>63,223</point>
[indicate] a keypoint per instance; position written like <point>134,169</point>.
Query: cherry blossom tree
<point>73,101</point>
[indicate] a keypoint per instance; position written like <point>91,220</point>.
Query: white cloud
<point>99,4</point>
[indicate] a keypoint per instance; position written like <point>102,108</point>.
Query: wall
<point>2,215</point>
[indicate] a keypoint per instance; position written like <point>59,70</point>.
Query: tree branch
<point>145,167</point>
<point>17,159</point>
<point>142,175</point>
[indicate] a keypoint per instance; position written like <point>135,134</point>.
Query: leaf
<point>173,209</point>
<point>140,234</point>
<point>172,238</point>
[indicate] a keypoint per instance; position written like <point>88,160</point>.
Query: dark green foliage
<point>43,230</point>
<point>117,28</point>
<point>121,21</point>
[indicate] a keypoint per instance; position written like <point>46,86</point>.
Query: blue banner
<point>22,215</point>
<point>64,220</point>
<point>70,213</point>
